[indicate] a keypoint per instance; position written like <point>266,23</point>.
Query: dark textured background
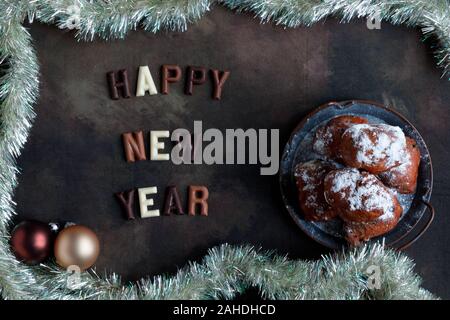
<point>73,161</point>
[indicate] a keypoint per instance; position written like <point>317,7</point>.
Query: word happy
<point>119,86</point>
<point>220,149</point>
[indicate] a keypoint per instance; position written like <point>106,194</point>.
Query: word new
<point>119,85</point>
<point>197,201</point>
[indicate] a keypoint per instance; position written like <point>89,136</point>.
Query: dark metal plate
<point>295,152</point>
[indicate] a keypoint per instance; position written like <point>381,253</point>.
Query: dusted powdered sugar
<point>399,170</point>
<point>309,177</point>
<point>388,215</point>
<point>381,142</point>
<point>312,202</point>
<point>363,192</point>
<point>304,173</point>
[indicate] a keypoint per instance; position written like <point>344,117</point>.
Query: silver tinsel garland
<point>226,270</point>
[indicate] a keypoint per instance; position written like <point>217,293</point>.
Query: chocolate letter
<point>219,78</point>
<point>196,75</point>
<point>126,200</point>
<point>198,195</point>
<point>133,144</point>
<point>145,82</point>
<point>155,145</point>
<point>145,203</point>
<point>115,85</point>
<point>169,74</point>
<point>172,202</point>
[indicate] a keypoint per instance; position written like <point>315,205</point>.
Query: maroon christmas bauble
<point>32,241</point>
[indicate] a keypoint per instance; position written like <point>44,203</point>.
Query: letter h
<point>115,85</point>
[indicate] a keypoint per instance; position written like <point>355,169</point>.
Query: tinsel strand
<point>18,92</point>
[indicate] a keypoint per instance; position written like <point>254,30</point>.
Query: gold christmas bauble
<point>76,245</point>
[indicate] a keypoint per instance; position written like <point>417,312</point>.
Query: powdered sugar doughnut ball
<point>359,196</point>
<point>373,147</point>
<point>309,178</point>
<point>356,232</point>
<point>404,176</point>
<point>328,137</point>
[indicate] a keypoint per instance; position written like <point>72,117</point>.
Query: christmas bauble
<point>76,245</point>
<point>32,241</point>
